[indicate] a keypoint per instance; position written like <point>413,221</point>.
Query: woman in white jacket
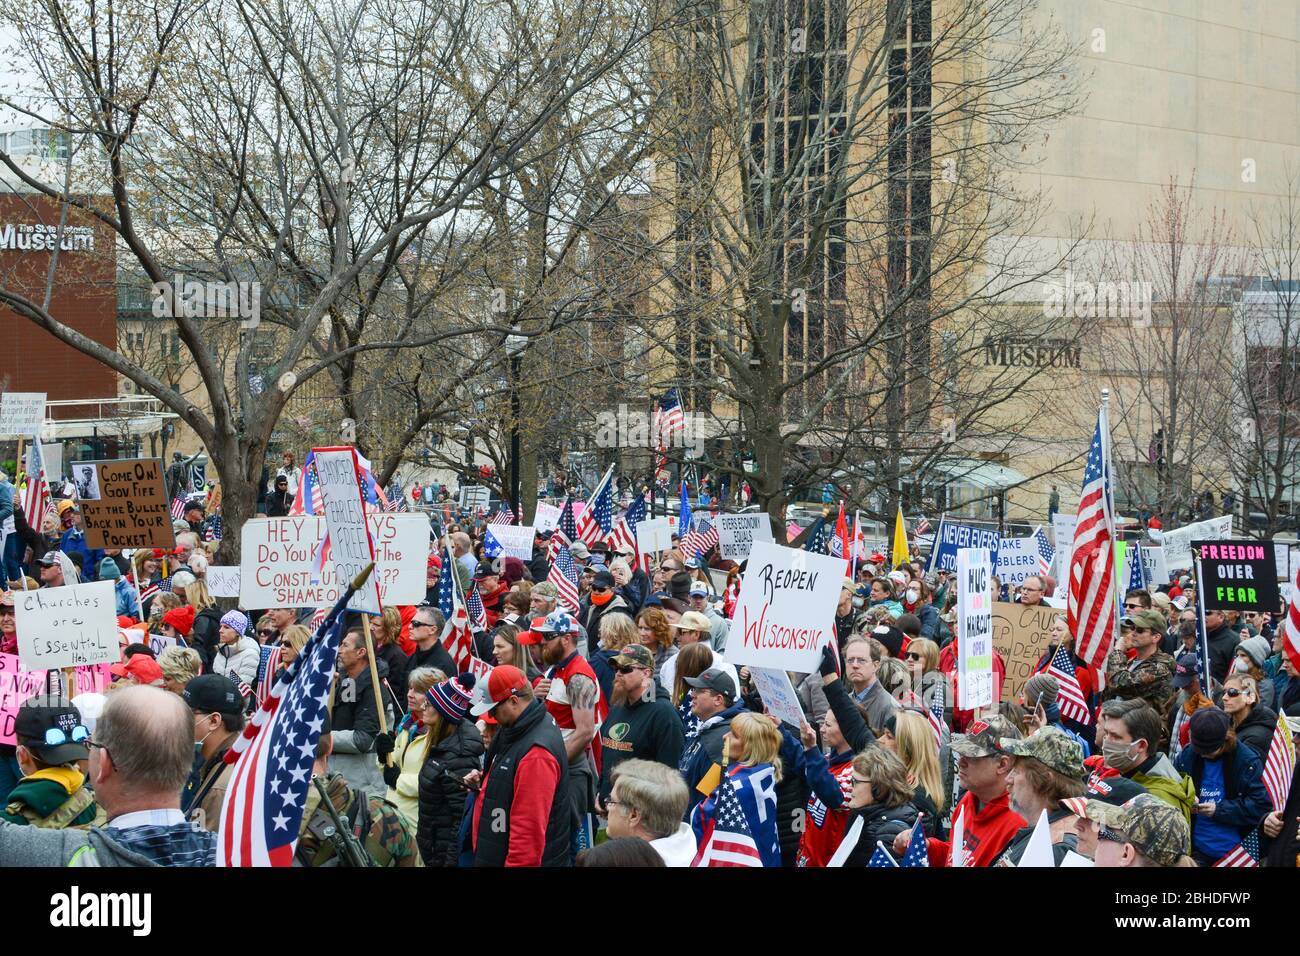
<point>238,655</point>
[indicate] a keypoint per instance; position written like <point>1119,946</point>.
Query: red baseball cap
<point>503,683</point>
<point>143,668</point>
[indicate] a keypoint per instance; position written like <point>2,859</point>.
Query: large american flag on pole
<point>1291,632</point>
<point>624,533</point>
<point>456,637</point>
<point>1070,699</point>
<point>36,494</point>
<point>1279,764</point>
<point>669,419</point>
<point>722,833</point>
<point>1091,609</point>
<point>273,758</point>
<point>598,517</point>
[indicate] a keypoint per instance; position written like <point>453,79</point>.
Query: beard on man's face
<point>619,696</point>
<point>553,652</point>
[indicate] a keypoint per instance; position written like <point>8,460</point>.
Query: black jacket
<point>1256,731</point>
<point>277,505</point>
<point>592,617</point>
<point>853,726</point>
<point>442,800</point>
<point>435,656</point>
<point>397,663</point>
<point>534,728</point>
<point>1223,642</point>
<point>205,634</point>
<point>880,823</point>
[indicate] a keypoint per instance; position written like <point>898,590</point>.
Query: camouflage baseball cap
<point>1051,747</point>
<point>1149,620</point>
<point>982,736</point>
<point>1156,828</point>
<point>634,655</point>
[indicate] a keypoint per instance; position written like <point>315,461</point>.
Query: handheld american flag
<point>564,576</point>
<point>598,517</point>
<point>456,637</point>
<point>624,533</point>
<point>1045,550</point>
<point>566,526</point>
<point>1244,855</point>
<point>1070,699</point>
<point>36,493</point>
<point>1091,609</point>
<point>475,610</point>
<point>504,516</point>
<point>273,757</point>
<point>178,507</point>
<point>1279,764</point>
<point>916,854</point>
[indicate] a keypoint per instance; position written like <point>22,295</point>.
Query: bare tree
<point>306,148</point>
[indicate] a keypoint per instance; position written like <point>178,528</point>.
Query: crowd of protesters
<point>606,734</point>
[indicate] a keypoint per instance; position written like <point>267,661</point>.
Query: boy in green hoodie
<point>52,793</point>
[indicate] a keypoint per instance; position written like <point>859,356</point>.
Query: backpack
<point>61,817</point>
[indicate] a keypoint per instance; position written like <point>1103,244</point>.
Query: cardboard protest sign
<point>277,556</point>
<point>1021,635</point>
<point>1018,558</point>
<point>223,580</point>
<point>124,503</point>
<point>344,504</point>
<point>778,694</point>
<point>67,626</point>
<point>22,414</point>
<point>1282,558</point>
<point>547,517</point>
<point>1178,543</point>
<point>974,629</point>
<point>516,540</point>
<point>737,534</point>
<point>1237,576</point>
<point>786,610</point>
<point>653,534</point>
<point>950,536</point>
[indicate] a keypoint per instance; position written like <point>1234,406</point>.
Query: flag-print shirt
<point>825,826</point>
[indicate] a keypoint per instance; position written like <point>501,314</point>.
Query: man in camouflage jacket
<point>1149,675</point>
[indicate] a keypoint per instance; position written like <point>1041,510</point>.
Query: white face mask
<point>913,596</point>
<point>1240,666</point>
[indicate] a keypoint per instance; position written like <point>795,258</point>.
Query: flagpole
<point>1108,495</point>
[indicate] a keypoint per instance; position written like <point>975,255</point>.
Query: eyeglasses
<point>92,744</point>
<point>859,780</point>
<point>421,624</point>
<point>1026,587</point>
<point>1233,692</point>
<point>266,633</point>
<point>912,656</point>
<point>1132,607</point>
<point>286,643</point>
<point>596,590</point>
<point>1110,836</point>
<point>54,736</point>
<point>629,668</point>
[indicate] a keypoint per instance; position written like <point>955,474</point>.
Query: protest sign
<point>653,534</point>
<point>223,580</point>
<point>1282,557</point>
<point>974,629</point>
<point>124,503</point>
<point>480,668</point>
<point>1178,543</point>
<point>786,610</point>
<point>778,694</point>
<point>277,556</point>
<point>515,540</point>
<point>1237,576</point>
<point>737,534</point>
<point>547,517</point>
<point>1153,566</point>
<point>66,626</point>
<point>22,414</point>
<point>1021,634</point>
<point>1018,558</point>
<point>1063,530</point>
<point>474,496</point>
<point>950,536</point>
<point>16,685</point>
<point>158,643</point>
<point>343,502</point>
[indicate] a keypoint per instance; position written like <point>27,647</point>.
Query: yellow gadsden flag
<point>898,554</point>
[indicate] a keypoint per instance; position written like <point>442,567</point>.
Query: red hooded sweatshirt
<point>988,830</point>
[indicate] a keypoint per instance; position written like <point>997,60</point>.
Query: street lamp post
<point>515,347</point>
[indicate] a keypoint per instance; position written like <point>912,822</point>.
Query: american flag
<point>317,619</point>
<point>273,758</point>
<point>475,609</point>
<point>566,526</point>
<point>1291,633</point>
<point>881,858</point>
<point>1091,609</point>
<point>504,516</point>
<point>178,507</point>
<point>272,665</point>
<point>456,637</point>
<point>700,541</point>
<point>396,501</point>
<point>818,540</point>
<point>669,419</point>
<point>916,854</point>
<point>1279,764</point>
<point>1045,550</point>
<point>934,715</point>
<point>722,834</point>
<point>212,529</point>
<point>564,575</point>
<point>36,494</point>
<point>922,525</point>
<point>308,490</point>
<point>1244,854</point>
<point>598,517</point>
<point>1070,699</point>
<point>492,548</point>
<point>146,592</point>
<point>624,533</point>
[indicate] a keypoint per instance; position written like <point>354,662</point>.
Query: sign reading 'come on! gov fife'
<point>786,611</point>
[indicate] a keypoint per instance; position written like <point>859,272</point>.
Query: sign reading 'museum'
<point>38,237</point>
<point>1012,351</point>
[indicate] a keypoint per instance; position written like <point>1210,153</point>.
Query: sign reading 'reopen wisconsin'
<point>786,610</point>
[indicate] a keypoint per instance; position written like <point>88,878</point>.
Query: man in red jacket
<point>988,821</point>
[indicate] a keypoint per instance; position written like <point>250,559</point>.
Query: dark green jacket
<point>41,796</point>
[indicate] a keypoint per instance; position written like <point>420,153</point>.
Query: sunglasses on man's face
<point>627,669</point>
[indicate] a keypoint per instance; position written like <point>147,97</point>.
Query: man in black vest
<point>518,820</point>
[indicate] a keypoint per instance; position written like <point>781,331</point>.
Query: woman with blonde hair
<point>180,665</point>
<point>506,649</point>
<point>384,631</point>
<point>910,736</point>
<point>617,631</point>
<point>291,642</point>
<point>411,744</point>
<point>751,755</point>
<point>207,619</point>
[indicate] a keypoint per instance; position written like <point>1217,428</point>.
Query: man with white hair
<point>648,801</point>
<point>140,757</point>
